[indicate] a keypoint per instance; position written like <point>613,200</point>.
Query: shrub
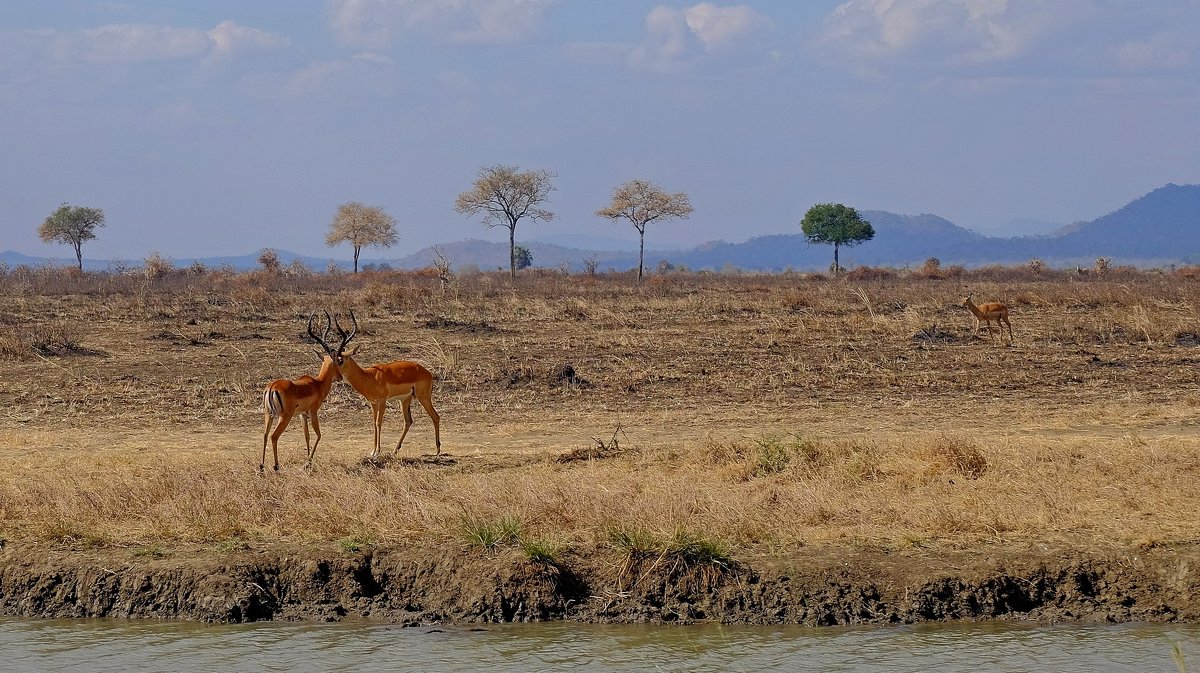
<point>269,259</point>
<point>157,267</point>
<point>862,273</point>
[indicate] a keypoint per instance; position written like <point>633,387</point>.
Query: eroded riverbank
<point>411,586</point>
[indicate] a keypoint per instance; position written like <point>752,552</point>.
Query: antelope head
<point>335,354</point>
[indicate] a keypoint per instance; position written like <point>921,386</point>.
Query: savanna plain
<point>713,423</point>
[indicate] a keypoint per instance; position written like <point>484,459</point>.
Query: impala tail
<point>272,403</point>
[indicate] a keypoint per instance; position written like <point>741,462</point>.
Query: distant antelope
<point>986,313</point>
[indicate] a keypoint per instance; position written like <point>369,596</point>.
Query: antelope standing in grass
<point>381,382</point>
<point>283,399</point>
<point>986,313</point>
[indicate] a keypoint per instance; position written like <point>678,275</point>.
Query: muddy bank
<point>824,586</point>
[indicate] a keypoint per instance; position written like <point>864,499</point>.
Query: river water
<point>136,646</point>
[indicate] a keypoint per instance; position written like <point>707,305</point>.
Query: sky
<point>220,127</point>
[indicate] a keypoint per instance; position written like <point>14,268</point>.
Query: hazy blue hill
<point>1159,228</point>
<point>899,240</point>
<point>492,255</point>
<point>1164,224</point>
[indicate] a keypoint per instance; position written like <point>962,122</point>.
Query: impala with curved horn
<point>283,399</point>
<point>986,313</point>
<point>381,382</point>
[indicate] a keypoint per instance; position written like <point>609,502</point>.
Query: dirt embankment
<point>416,586</point>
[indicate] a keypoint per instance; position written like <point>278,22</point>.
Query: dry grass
<point>762,411</point>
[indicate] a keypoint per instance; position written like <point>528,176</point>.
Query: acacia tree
<point>642,202</point>
<point>72,225</point>
<point>361,225</point>
<point>833,223</point>
<point>506,195</point>
<point>524,257</point>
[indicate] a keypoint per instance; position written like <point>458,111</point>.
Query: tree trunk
<point>837,266</point>
<point>641,253</point>
<point>79,255</point>
<point>512,252</point>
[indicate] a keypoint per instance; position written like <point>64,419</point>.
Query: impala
<point>986,313</point>
<point>283,399</point>
<point>381,382</point>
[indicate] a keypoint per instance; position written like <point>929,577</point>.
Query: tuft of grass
<point>694,550</point>
<point>352,544</point>
<point>154,551</point>
<point>544,550</point>
<point>232,544</point>
<point>774,454</point>
<point>490,534</point>
<point>960,456</point>
<point>633,542</point>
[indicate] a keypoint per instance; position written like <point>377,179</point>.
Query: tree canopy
<point>836,224</point>
<point>361,225</point>
<point>506,195</point>
<point>642,202</point>
<point>72,225</point>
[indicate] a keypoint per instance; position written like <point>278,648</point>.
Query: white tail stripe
<point>273,403</point>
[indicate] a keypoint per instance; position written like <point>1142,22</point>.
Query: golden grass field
<point>761,411</point>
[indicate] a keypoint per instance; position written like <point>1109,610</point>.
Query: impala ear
<point>320,356</point>
<point>352,350</point>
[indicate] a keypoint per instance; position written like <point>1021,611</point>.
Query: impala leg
<point>378,410</point>
<point>427,402</point>
<point>317,431</point>
<point>283,423</point>
<point>262,464</point>
<point>307,444</point>
<point>406,406</point>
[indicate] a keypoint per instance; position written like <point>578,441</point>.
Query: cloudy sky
<point>224,126</point>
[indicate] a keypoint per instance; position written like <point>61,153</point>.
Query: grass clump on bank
<point>490,534</point>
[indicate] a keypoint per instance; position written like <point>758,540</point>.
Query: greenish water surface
<point>136,646</point>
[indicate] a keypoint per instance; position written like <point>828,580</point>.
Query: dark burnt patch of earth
<point>814,586</point>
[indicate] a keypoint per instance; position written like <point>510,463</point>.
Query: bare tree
<point>361,225</point>
<point>72,225</point>
<point>642,202</point>
<point>506,195</point>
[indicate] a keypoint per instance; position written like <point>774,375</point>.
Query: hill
<point>1157,229</point>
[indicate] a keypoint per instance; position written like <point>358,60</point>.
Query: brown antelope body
<point>283,399</point>
<point>986,313</point>
<point>379,383</point>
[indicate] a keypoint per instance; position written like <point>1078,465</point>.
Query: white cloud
<point>946,30</point>
<point>377,24</point>
<point>1013,38</point>
<point>132,43</point>
<point>674,36</point>
<point>229,38</point>
<point>129,43</point>
<point>718,27</point>
<point>1162,51</point>
<point>363,75</point>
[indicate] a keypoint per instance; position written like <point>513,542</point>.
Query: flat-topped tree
<point>642,202</point>
<point>506,195</point>
<point>361,225</point>
<point>833,223</point>
<point>72,225</point>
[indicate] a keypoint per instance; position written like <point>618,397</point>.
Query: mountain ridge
<point>1161,227</point>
